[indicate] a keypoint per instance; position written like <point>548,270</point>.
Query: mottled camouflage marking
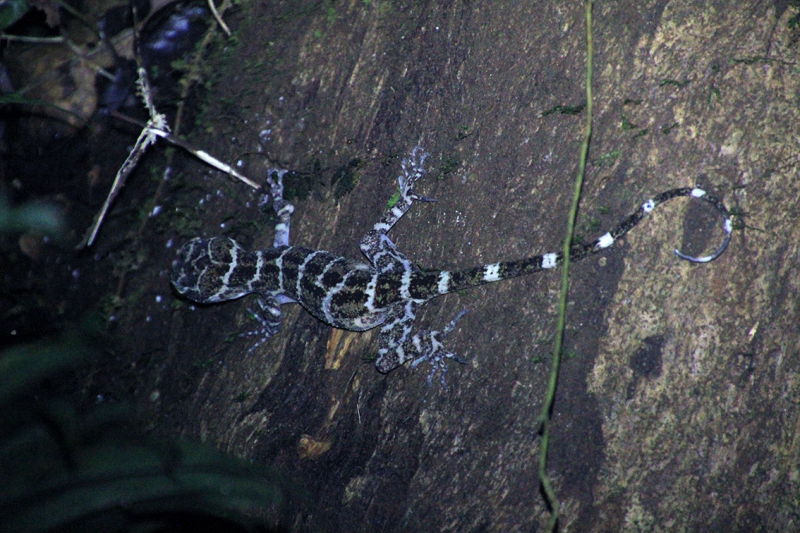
<point>358,296</point>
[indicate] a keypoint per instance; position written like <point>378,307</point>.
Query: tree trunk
<point>677,406</point>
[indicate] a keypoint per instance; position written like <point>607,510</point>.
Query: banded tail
<point>443,282</point>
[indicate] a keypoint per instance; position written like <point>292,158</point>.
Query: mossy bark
<point>678,404</point>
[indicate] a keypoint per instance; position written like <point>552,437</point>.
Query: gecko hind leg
<point>430,347</point>
<point>376,245</point>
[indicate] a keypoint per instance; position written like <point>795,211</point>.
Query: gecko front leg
<point>270,301</point>
<point>283,209</point>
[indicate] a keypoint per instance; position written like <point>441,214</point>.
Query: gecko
<point>384,292</point>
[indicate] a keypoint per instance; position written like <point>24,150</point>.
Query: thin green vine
<point>547,407</point>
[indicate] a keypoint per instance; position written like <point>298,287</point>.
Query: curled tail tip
<point>728,230</point>
<point>707,258</point>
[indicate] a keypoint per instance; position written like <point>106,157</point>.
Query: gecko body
<point>387,291</point>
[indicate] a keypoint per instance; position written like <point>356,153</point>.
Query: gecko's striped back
<point>359,296</point>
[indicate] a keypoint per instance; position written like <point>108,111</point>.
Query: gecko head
<point>211,270</point>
